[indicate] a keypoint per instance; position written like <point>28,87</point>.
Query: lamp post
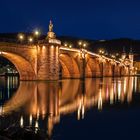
<point>36,34</point>
<point>34,38</point>
<point>83,53</point>
<point>21,37</point>
<point>30,40</point>
<point>68,45</point>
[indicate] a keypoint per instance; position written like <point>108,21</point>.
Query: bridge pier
<point>116,70</point>
<point>48,62</point>
<point>107,69</point>
<point>124,71</point>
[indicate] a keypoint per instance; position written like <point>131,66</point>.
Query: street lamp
<point>21,37</point>
<point>65,44</point>
<point>80,43</point>
<point>36,33</point>
<point>101,51</point>
<point>84,45</point>
<point>30,39</point>
<point>68,45</point>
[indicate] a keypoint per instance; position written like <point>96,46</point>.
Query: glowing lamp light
<point>65,44</point>
<point>30,39</point>
<point>21,121</point>
<point>36,33</point>
<point>80,43</point>
<point>100,51</point>
<point>30,119</point>
<point>43,47</point>
<point>84,45</point>
<point>21,37</point>
<point>113,56</point>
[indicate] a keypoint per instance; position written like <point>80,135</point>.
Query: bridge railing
<point>93,54</point>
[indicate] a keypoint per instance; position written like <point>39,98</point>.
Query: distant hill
<point>110,46</point>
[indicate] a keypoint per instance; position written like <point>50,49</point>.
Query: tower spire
<point>51,26</point>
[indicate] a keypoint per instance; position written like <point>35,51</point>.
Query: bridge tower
<point>48,57</point>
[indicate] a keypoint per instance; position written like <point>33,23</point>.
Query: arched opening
<point>9,79</point>
<point>7,68</point>
<point>69,67</point>
<point>63,71</point>
<point>22,66</point>
<point>96,67</point>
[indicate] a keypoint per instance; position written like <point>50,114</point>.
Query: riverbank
<point>18,133</point>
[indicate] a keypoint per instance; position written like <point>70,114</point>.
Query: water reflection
<point>7,86</point>
<point>40,104</point>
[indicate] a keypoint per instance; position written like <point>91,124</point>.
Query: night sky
<point>93,19</point>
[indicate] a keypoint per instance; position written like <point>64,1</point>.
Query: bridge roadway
<point>44,61</point>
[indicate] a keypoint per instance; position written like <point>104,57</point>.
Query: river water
<point>100,108</point>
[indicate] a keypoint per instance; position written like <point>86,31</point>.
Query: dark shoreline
<point>18,133</point>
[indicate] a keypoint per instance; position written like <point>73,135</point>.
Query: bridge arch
<point>26,71</point>
<point>95,67</point>
<point>70,68</point>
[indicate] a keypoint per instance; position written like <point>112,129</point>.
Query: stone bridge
<point>46,59</point>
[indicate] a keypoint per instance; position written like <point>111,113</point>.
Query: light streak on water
<point>21,122</point>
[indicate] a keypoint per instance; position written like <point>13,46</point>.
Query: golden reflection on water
<point>53,99</point>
